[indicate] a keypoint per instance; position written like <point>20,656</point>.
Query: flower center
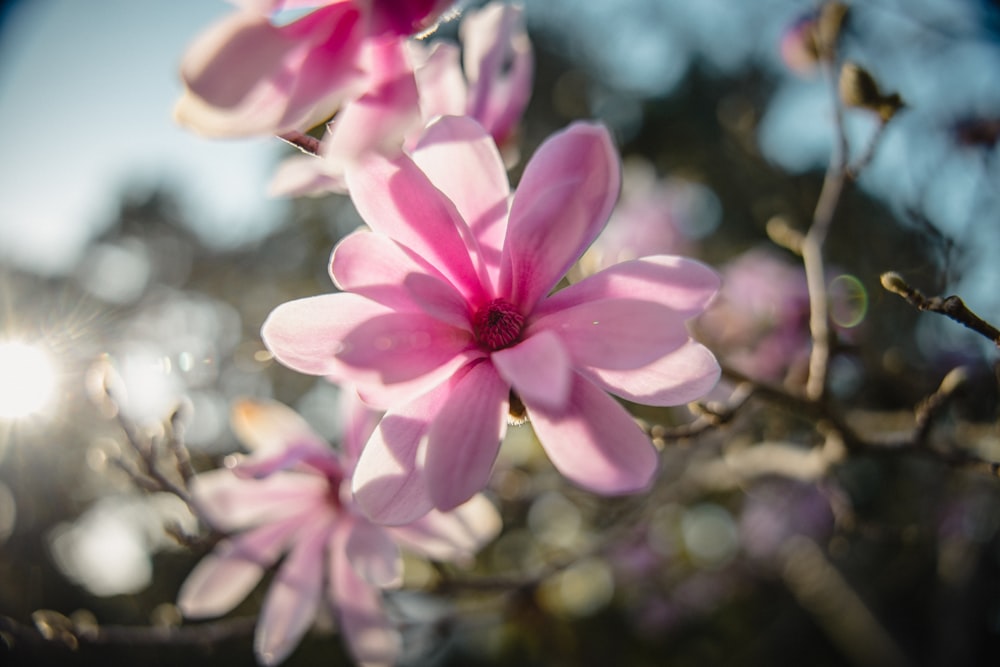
<point>497,324</point>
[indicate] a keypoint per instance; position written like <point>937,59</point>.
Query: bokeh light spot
<point>710,535</point>
<point>848,301</point>
<point>27,380</point>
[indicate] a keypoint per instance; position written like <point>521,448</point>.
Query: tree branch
<point>949,306</point>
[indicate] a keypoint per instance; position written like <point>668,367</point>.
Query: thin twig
<point>710,416</point>
<point>865,158</point>
<point>812,248</point>
<point>54,628</point>
<point>932,406</point>
<point>950,306</point>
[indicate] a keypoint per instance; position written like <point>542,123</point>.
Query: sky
<point>86,93</point>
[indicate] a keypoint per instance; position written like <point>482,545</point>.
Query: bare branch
<point>52,627</point>
<point>950,306</point>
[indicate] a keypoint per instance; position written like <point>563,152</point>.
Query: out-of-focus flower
<point>813,37</point>
<point>654,216</point>
<point>412,84</point>
<point>448,320</point>
<point>779,510</point>
<point>292,496</point>
<point>760,322</point>
<point>247,75</point>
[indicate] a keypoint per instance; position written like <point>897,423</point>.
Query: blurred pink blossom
<point>798,48</point>
<point>248,75</point>
<point>411,84</point>
<point>654,216</point>
<point>760,322</point>
<point>292,496</point>
<point>447,315</point>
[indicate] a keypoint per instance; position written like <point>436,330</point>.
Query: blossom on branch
<point>248,75</point>
<point>292,496</point>
<point>411,84</point>
<point>448,320</point>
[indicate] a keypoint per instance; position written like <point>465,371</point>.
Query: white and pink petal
<point>397,199</point>
<point>223,578</point>
<point>388,483</point>
<point>246,76</point>
<point>353,339</point>
<point>614,333</point>
<point>562,203</point>
<point>595,443</point>
<point>684,375</point>
<point>499,64</point>
<point>230,503</point>
<point>461,159</point>
<point>293,597</point>
<point>370,636</point>
<point>464,438</point>
<point>684,285</point>
<point>539,369</point>
<point>374,266</point>
<point>454,536</point>
<point>374,555</point>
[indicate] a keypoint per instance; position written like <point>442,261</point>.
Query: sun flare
<point>27,380</point>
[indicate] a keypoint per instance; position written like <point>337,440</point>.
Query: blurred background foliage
<point>734,558</point>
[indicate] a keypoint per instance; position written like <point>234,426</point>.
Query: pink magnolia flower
<point>412,84</point>
<point>247,75</point>
<point>447,320</point>
<point>292,496</point>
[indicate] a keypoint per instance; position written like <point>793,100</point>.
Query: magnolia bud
<point>859,89</point>
<point>829,24</point>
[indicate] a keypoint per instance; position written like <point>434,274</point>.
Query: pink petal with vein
<point>595,443</point>
<point>686,374</point>
<point>461,159</point>
<point>307,334</point>
<point>615,333</point>
<point>375,266</point>
<point>386,397</point>
<point>293,598</point>
<point>355,340</point>
<point>464,437</point>
<point>388,481</point>
<point>563,201</point>
<point>679,283</point>
<point>397,199</point>
<point>401,346</point>
<point>538,369</point>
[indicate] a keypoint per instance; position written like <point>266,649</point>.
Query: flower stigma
<point>497,324</point>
